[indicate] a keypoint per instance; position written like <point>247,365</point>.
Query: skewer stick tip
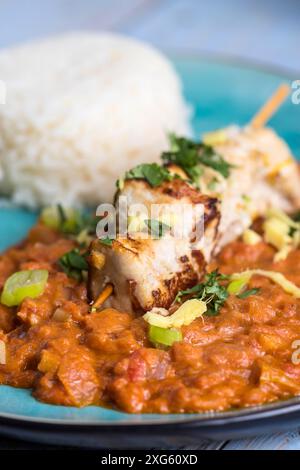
<point>103,296</point>
<point>271,106</point>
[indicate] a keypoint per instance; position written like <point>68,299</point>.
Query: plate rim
<point>231,60</point>
<point>216,418</point>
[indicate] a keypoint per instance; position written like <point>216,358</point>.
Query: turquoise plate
<point>220,93</point>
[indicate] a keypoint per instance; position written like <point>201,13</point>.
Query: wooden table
<point>264,31</point>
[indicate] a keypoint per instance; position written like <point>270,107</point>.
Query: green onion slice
<point>24,284</point>
<point>236,286</point>
<point>164,336</point>
<point>60,218</point>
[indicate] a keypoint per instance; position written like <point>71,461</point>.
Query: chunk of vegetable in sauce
<point>275,276</point>
<point>59,218</point>
<point>236,286</point>
<point>186,314</point>
<point>163,336</point>
<point>250,237</point>
<point>24,284</point>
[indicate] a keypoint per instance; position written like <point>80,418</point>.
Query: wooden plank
<point>29,19</point>
<point>277,441</point>
<point>222,28</point>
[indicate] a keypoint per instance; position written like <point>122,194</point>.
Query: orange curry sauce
<point>69,356</point>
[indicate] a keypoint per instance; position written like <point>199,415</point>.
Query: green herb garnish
<point>247,293</point>
<point>73,264</point>
<point>213,293</point>
<point>106,241</point>
<point>120,184</point>
<point>210,291</point>
<point>208,157</point>
<point>192,156</point>
<point>156,228</point>
<point>62,214</point>
<point>153,173</point>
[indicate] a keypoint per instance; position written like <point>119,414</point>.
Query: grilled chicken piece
<point>148,273</point>
<point>190,213</point>
<point>264,175</point>
<point>144,273</point>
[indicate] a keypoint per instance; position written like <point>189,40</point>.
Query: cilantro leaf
<point>209,157</point>
<point>192,156</point>
<point>106,241</point>
<point>73,264</point>
<point>210,291</point>
<point>194,292</point>
<point>153,173</point>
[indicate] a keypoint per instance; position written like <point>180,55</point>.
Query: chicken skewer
<point>242,173</point>
<point>148,272</point>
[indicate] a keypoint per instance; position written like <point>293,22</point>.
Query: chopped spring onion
<point>164,336</point>
<point>187,312</point>
<point>60,218</point>
<point>50,217</point>
<point>24,284</point>
<point>236,286</point>
<point>245,294</point>
<point>276,277</point>
<point>71,222</point>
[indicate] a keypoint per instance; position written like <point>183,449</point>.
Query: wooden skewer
<point>103,296</point>
<point>271,106</point>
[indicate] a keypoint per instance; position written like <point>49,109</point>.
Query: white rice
<point>80,110</point>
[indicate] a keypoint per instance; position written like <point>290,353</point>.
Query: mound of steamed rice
<point>80,110</point>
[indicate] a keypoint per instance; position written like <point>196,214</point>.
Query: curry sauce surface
<point>70,356</point>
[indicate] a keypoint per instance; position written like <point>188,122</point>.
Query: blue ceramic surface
<point>220,94</point>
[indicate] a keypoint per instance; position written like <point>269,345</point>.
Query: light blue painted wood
<point>260,30</point>
<point>23,20</point>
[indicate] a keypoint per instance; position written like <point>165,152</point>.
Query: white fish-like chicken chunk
<point>148,272</point>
